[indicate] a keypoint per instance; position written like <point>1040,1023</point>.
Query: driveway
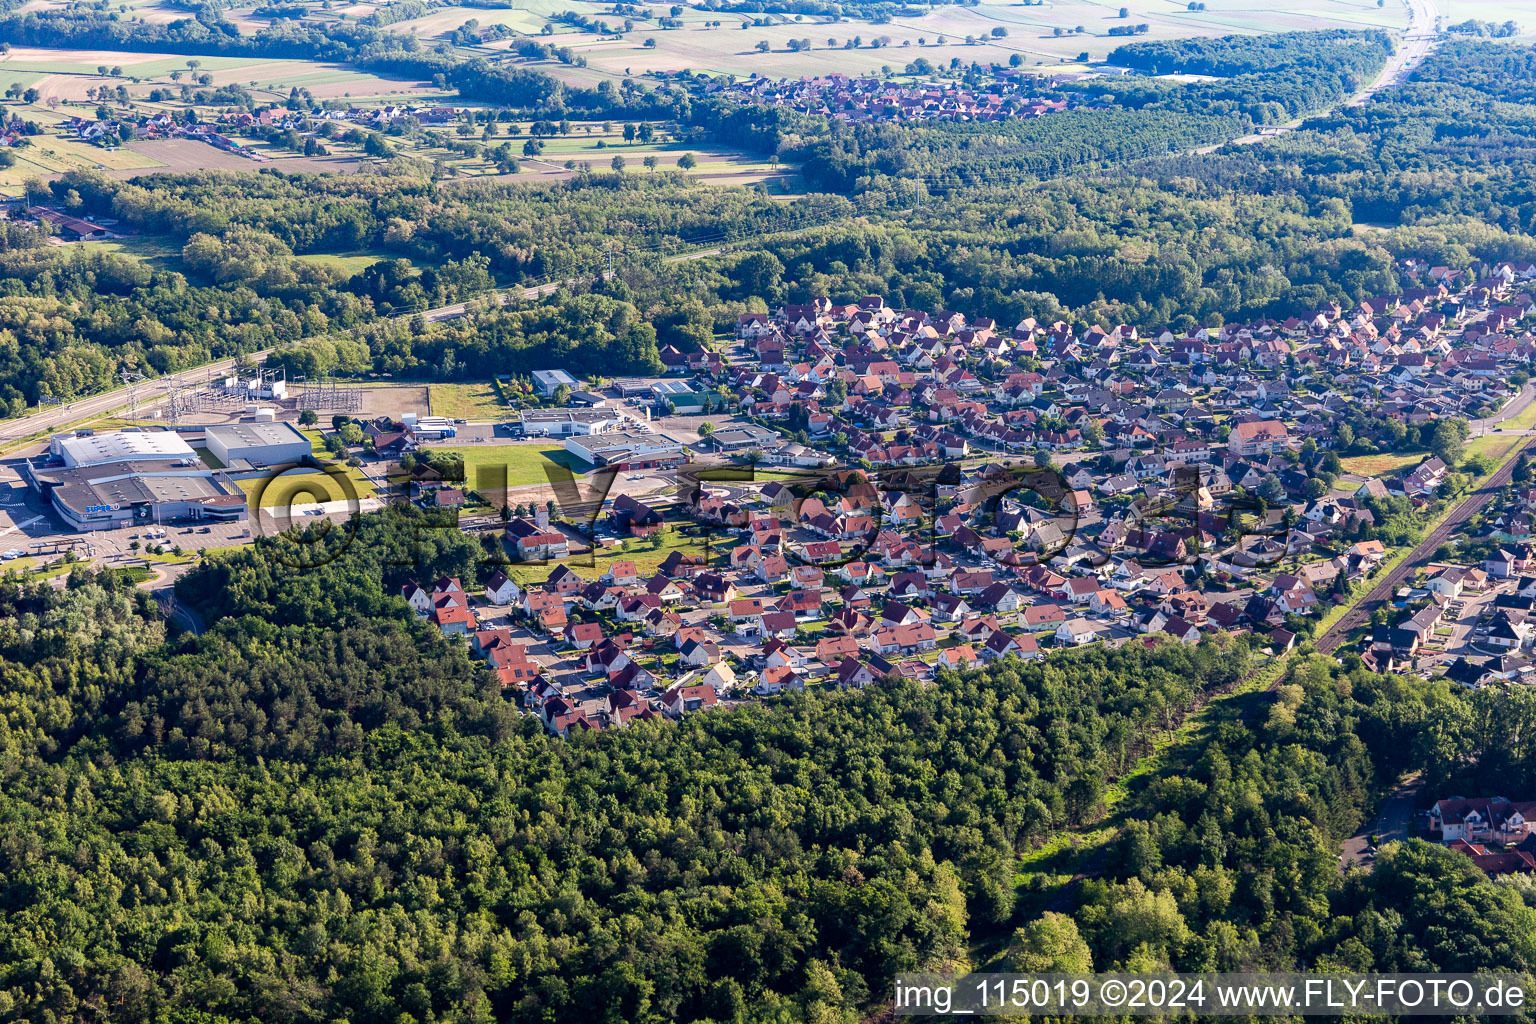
<point>1394,821</point>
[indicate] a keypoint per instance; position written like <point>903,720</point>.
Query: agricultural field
<point>593,144</point>
<point>50,156</point>
<point>1031,34</point>
<point>66,75</point>
<point>1497,11</point>
<point>708,41</point>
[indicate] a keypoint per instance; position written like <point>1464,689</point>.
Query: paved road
<point>60,416</point>
<point>1512,408</point>
<point>1393,822</point>
<point>458,309</point>
<point>1418,41</point>
<point>1387,585</point>
<point>98,405</point>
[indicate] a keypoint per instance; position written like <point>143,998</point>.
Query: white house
<point>500,590</point>
<point>1076,631</point>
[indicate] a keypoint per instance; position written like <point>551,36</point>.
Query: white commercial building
<point>636,451</point>
<point>123,446</point>
<point>428,428</point>
<point>565,422</point>
<point>260,444</point>
<point>550,381</point>
<point>107,481</point>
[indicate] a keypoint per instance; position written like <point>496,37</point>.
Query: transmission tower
<point>131,381</point>
<point>173,400</point>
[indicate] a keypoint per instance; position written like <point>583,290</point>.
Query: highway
<point>59,416</point>
<point>1418,40</point>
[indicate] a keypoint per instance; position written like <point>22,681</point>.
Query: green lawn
<point>1376,465</point>
<point>1524,420</point>
<point>647,559</point>
<point>478,401</point>
<point>307,488</point>
<point>525,463</point>
<point>353,263</point>
<point>160,251</point>
<point>1494,446</point>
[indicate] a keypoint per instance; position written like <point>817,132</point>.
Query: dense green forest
<point>1229,859</point>
<point>322,809</point>
<point>71,319</point>
<point>1264,230</point>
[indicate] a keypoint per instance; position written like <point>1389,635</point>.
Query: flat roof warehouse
<point>124,446</point>
<point>108,481</point>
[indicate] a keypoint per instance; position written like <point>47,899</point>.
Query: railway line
<point>1335,635</point>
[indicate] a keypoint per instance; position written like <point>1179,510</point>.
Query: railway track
<point>1330,641</point>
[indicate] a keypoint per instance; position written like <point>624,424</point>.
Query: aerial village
<point>900,494</point>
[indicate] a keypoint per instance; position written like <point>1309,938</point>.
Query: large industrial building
<point>627,451</point>
<point>107,481</point>
<point>258,444</point>
<point>565,422</point>
<point>92,449</point>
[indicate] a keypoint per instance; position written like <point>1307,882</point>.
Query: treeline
<point>594,332</point>
<point>399,10</point>
<point>1230,56</point>
<point>1439,157</point>
<point>956,155</point>
<point>1253,231</point>
<point>71,319</point>
<point>1490,29</point>
<point>322,809</point>
<point>205,34</point>
<point>1102,249</point>
<point>525,232</point>
<point>1265,79</point>
<point>1273,78</point>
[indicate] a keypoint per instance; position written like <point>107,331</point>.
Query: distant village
<point>859,100</point>
<point>114,131</point>
<point>111,132</point>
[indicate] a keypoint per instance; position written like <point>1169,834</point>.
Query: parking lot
<point>29,527</point>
